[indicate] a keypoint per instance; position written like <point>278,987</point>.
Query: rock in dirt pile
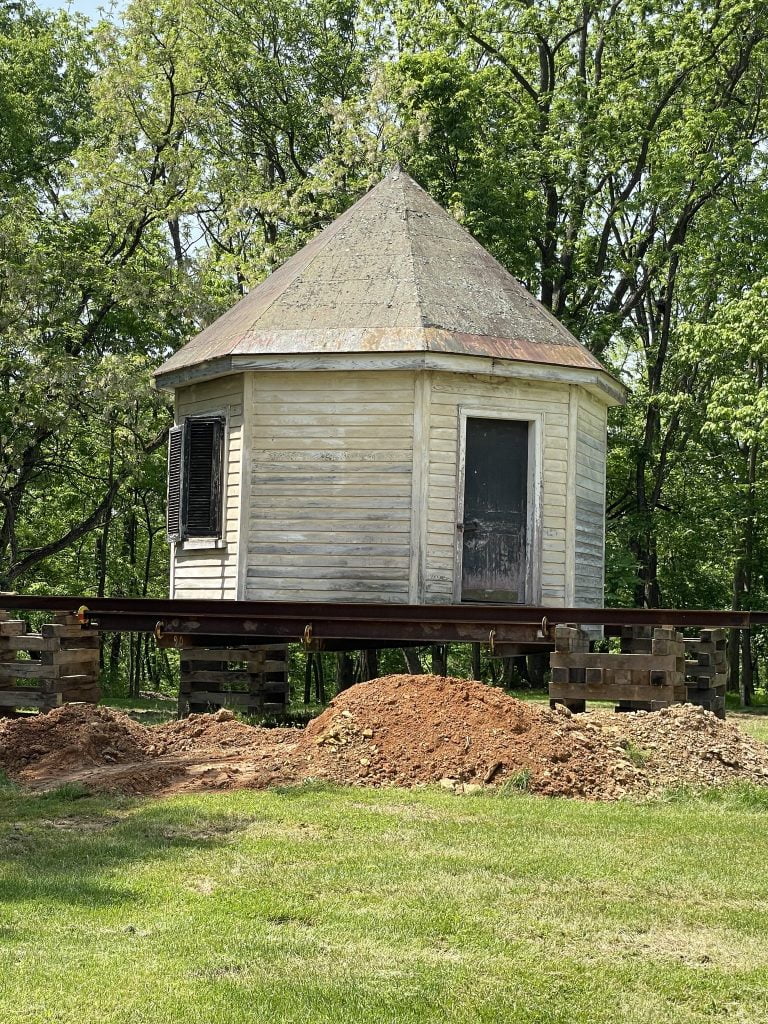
<point>395,731</point>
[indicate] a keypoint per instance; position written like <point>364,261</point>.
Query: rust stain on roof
<point>395,273</point>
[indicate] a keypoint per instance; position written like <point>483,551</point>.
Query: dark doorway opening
<point>495,526</point>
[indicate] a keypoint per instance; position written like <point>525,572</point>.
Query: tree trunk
<point>369,664</point>
<point>345,671</point>
<point>412,661</point>
<point>734,647</point>
<point>115,646</point>
<point>477,665</point>
<point>537,667</point>
<point>746,686</point>
<point>439,659</point>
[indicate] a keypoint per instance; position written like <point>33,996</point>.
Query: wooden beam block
<point>697,696</point>
<point>212,676</point>
<point>84,657</point>
<point>665,647</point>
<point>25,670</point>
<point>216,697</point>
<point>693,668</point>
<point>50,629</point>
<point>598,691</point>
<point>570,638</point>
<point>12,627</point>
<point>628,662</point>
<point>27,697</point>
<point>31,642</point>
<point>225,654</point>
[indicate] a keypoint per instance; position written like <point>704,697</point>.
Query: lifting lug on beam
<point>307,638</point>
<point>492,641</point>
<point>82,615</point>
<point>159,629</point>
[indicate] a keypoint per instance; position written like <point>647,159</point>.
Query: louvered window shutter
<point>175,449</point>
<point>201,505</point>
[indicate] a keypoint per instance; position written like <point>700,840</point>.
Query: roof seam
<point>412,255</point>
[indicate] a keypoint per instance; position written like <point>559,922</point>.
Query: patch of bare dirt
<point>70,737</point>
<point>395,731</point>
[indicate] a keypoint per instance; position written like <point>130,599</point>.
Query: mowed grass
<point>751,720</point>
<point>343,905</point>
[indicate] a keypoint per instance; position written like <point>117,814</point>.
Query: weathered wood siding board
<point>212,572</point>
<point>589,502</point>
<point>449,393</point>
<point>329,504</point>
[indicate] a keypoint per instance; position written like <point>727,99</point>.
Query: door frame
<point>535,423</point>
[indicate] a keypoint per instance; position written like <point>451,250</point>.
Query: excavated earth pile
<point>395,731</point>
<point>403,730</point>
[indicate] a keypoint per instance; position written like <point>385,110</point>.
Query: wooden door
<point>495,526</point>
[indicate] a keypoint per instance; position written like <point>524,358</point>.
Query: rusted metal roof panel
<point>395,273</point>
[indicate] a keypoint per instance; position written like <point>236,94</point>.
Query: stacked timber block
<point>252,679</point>
<point>706,670</point>
<point>648,674</point>
<point>63,664</point>
<point>655,668</point>
<point>655,641</point>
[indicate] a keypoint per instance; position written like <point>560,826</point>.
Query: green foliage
<point>637,755</point>
<point>520,782</point>
<point>68,792</point>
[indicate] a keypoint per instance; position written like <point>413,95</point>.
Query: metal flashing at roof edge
<point>395,273</point>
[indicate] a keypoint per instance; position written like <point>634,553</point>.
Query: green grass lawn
<point>332,905</point>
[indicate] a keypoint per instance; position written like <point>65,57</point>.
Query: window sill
<point>202,544</point>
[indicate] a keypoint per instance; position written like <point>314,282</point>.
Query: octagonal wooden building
<point>390,416</point>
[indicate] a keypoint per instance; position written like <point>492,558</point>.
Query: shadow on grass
<point>73,848</point>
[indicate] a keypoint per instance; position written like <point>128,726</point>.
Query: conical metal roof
<point>395,273</point>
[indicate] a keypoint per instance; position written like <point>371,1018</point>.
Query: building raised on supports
<point>390,416</point>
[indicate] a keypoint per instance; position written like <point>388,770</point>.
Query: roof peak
<point>395,272</point>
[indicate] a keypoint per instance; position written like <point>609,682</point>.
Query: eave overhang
<point>595,379</point>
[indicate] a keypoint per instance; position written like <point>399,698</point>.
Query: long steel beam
<point>317,621</point>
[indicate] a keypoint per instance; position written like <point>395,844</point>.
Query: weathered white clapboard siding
<point>547,402</point>
<point>213,571</point>
<point>330,483</point>
<point>589,504</point>
<point>348,483</point>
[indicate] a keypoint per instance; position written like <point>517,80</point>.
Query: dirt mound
<point>399,730</point>
<point>106,750</point>
<point>72,736</point>
<point>402,730</point>
<point>686,745</point>
<point>220,730</point>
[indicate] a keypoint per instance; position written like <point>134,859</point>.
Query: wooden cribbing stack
<point>252,679</point>
<point>63,664</point>
<point>655,668</point>
<point>706,670</point>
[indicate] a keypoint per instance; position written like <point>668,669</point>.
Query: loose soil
<point>396,731</point>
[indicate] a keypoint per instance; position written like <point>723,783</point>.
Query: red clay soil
<point>403,730</point>
<point>399,730</point>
